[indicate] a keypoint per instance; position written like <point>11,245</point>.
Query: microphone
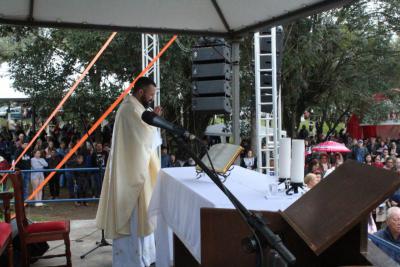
<point>153,119</point>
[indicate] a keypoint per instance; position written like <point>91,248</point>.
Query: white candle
<point>297,164</point>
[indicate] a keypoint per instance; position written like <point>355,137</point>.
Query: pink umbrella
<point>331,146</point>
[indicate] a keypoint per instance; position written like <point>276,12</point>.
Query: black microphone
<point>153,119</point>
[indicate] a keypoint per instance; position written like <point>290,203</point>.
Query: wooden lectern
<point>326,227</point>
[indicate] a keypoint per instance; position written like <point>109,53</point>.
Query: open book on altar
<point>222,157</point>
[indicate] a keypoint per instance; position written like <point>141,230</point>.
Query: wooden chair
<point>37,232</point>
<point>5,228</point>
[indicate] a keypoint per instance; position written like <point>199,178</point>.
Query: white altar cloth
<point>178,197</point>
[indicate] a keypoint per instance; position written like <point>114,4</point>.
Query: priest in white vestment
<point>130,175</point>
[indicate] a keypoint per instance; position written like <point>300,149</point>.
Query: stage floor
<point>84,235</point>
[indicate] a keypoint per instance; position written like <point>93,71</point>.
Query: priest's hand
<point>158,110</point>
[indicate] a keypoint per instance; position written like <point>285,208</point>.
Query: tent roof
<point>213,17</point>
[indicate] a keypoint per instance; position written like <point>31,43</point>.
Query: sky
<point>6,90</point>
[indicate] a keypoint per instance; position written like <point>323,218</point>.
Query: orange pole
<point>98,122</point>
<point>70,91</point>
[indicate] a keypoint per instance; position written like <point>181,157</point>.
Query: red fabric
<point>377,164</point>
<point>47,227</point>
<point>5,233</point>
<point>353,127</point>
<point>4,165</point>
<point>388,131</point>
<point>370,131</point>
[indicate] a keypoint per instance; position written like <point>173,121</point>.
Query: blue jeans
<point>97,182</point>
<point>62,180</point>
<point>26,180</point>
<point>69,177</point>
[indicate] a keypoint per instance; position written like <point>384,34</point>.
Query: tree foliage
<point>334,62</point>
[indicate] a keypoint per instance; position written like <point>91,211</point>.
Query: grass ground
<point>61,211</point>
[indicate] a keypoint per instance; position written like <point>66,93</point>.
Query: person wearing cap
<point>360,151</point>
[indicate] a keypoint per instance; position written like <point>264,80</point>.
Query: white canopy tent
<point>213,17</point>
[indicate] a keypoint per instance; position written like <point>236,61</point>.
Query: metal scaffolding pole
<point>268,110</point>
<point>236,92</point>
<point>150,48</point>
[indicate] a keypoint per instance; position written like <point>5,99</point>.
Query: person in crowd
<point>89,164</point>
<point>106,147</point>
<point>303,133</point>
<point>37,163</point>
<point>368,159</point>
<point>49,148</point>
<point>99,159</point>
<point>4,166</point>
<point>389,164</point>
<point>315,166</point>
<point>338,159</point>
<point>311,180</point>
<point>372,146</point>
<point>397,165</point>
<point>391,233</point>
<point>81,181</point>
<point>24,164</point>
<point>393,150</point>
<point>165,158</point>
<point>69,175</point>
<point>382,145</point>
<point>61,152</point>
<point>54,183</point>
<point>377,162</point>
<point>359,152</point>
<point>21,138</point>
<point>38,145</point>
<point>324,161</point>
<point>385,155</point>
<point>249,161</point>
<point>190,163</point>
<point>174,162</point>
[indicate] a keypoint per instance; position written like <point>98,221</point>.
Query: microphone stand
<point>103,242</point>
<point>279,255</point>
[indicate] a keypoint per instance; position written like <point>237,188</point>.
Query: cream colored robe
<point>130,174</point>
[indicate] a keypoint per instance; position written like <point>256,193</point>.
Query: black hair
<point>143,82</point>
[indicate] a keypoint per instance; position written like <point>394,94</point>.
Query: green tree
<point>334,62</point>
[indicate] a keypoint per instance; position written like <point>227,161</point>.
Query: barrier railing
<point>53,170</point>
<point>63,200</point>
<point>391,249</point>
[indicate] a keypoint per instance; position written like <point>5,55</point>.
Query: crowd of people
<point>47,153</point>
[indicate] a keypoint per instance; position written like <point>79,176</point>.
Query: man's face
<point>99,147</point>
<point>79,160</point>
<point>146,95</point>
<point>394,223</point>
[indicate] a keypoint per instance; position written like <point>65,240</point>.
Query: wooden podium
<point>325,227</point>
